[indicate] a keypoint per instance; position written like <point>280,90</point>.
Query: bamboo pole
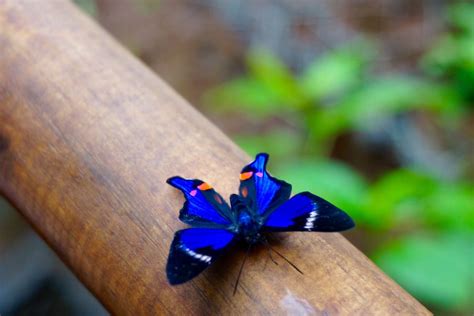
<point>88,136</point>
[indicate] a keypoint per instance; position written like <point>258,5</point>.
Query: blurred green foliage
<point>425,223</point>
<point>416,260</point>
<point>452,58</point>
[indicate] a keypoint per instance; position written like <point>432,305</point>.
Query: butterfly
<point>263,205</point>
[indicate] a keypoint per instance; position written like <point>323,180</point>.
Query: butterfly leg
<point>267,244</point>
<point>241,268</point>
<point>286,259</point>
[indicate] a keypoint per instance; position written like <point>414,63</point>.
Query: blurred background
<point>368,103</point>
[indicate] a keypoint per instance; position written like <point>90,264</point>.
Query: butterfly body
<point>263,205</point>
<point>249,229</point>
<point>247,224</point>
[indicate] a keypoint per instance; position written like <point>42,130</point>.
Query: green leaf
<point>406,198</point>
<point>451,206</point>
<point>437,270</point>
<point>452,57</point>
<point>326,123</point>
<point>462,16</point>
<point>441,56</point>
<point>450,54</point>
<point>336,182</point>
<point>275,77</point>
<point>388,96</point>
<point>244,95</point>
<point>398,198</point>
<point>379,99</point>
<point>335,72</point>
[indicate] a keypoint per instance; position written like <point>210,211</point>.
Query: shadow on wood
<point>88,136</point>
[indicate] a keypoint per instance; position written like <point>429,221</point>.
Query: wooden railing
<point>88,136</point>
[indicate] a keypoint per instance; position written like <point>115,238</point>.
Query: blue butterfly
<point>263,205</point>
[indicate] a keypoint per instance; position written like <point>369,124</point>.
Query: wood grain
<point>88,136</point>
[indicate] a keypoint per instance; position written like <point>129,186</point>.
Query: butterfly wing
<point>262,192</point>
<point>193,250</point>
<point>307,212</point>
<point>204,207</point>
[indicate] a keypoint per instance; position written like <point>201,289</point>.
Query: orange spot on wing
<point>245,175</point>
<point>244,191</point>
<point>204,186</point>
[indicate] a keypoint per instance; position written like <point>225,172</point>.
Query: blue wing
<point>203,206</point>
<point>307,212</point>
<point>193,250</point>
<point>262,192</point>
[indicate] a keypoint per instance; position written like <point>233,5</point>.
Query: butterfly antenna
<point>291,263</point>
<point>241,268</point>
<point>267,244</point>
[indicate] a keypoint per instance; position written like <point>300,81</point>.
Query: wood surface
<point>88,136</point>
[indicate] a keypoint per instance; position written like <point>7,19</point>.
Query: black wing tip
<point>349,223</point>
<point>343,224</point>
<point>174,280</point>
<point>346,220</point>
